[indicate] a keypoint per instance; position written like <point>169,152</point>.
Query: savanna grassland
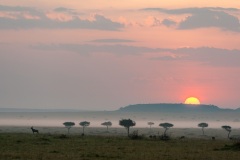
<point>24,146</point>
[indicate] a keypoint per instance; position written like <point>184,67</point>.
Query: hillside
<point>168,107</point>
<point>238,109</point>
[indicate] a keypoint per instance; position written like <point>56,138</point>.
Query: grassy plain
<point>24,146</point>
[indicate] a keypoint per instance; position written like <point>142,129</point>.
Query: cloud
<point>62,9</point>
<point>42,21</point>
<point>112,40</point>
<point>152,21</point>
<point>67,10</point>
<point>203,55</point>
<point>15,8</point>
<point>190,10</point>
<point>211,19</point>
<point>168,22</point>
<point>89,48</point>
<point>99,23</point>
<point>205,17</point>
<point>19,9</point>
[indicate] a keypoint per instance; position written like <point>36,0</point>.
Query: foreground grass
<point>46,147</point>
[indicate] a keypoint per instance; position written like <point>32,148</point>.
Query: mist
<point>180,120</point>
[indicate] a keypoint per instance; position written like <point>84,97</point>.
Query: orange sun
<point>192,100</point>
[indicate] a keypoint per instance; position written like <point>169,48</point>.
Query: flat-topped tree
<point>203,125</point>
<point>68,125</point>
<point>127,123</point>
<point>84,124</point>
<point>107,124</point>
<point>228,129</point>
<point>150,124</point>
<point>166,126</point>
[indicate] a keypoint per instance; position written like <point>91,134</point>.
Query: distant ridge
<point>238,109</point>
<point>169,107</point>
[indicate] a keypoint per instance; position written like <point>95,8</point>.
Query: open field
<point>56,146</point>
<point>174,132</point>
<point>18,143</point>
<point>218,133</point>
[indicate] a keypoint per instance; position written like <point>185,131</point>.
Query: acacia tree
<point>203,125</point>
<point>68,125</point>
<point>166,126</point>
<point>228,129</point>
<point>150,124</point>
<point>84,124</point>
<point>127,123</point>
<point>107,124</point>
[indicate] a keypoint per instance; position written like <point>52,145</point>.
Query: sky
<point>103,55</point>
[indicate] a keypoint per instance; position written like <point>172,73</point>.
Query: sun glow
<point>192,100</point>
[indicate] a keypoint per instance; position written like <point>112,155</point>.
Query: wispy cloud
<point>42,21</point>
<point>168,22</point>
<point>99,23</point>
<point>62,9</point>
<point>16,8</point>
<point>113,40</point>
<point>90,48</point>
<point>203,55</point>
<point>204,17</point>
<point>67,10</point>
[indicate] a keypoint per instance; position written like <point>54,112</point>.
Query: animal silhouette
<point>34,130</point>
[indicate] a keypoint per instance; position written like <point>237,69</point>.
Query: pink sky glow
<point>103,56</point>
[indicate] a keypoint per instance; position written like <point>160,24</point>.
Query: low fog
<point>180,120</point>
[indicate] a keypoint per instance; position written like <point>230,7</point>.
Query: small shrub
<point>62,136</point>
<point>164,137</point>
<point>135,135</point>
<point>19,141</point>
<point>236,146</point>
<point>54,151</point>
<point>233,147</point>
<point>44,139</point>
<point>153,137</point>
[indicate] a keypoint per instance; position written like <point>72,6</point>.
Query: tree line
<point>127,123</point>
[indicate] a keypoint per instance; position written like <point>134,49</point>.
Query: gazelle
<point>34,130</point>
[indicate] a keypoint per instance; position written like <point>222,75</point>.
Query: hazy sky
<point>106,54</point>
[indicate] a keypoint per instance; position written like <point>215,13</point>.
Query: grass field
<point>74,147</point>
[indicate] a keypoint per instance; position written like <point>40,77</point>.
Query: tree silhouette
<point>68,125</point>
<point>228,129</point>
<point>127,123</point>
<point>203,125</point>
<point>84,124</point>
<point>166,126</point>
<point>108,124</point>
<point>150,124</point>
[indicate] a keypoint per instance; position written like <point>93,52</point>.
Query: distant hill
<point>168,107</point>
<point>238,109</point>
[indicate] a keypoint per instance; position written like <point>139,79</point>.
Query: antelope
<point>34,130</point>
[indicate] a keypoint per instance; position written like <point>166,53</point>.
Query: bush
<point>135,135</point>
<point>164,137</point>
<point>233,147</point>
<point>63,136</point>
